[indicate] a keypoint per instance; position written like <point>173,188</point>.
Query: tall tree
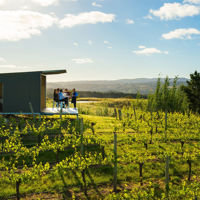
<point>192,91</point>
<point>167,97</point>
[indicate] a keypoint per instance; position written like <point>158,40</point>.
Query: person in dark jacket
<point>74,96</point>
<point>55,95</point>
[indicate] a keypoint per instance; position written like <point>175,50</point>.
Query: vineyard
<point>115,150</point>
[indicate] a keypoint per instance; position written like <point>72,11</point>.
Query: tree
<point>168,97</point>
<point>192,91</point>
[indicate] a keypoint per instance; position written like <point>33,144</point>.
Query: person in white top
<point>67,96</point>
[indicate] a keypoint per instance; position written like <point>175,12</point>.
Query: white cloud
<point>192,1</point>
<point>106,42</point>
<point>82,60</point>
<point>171,11</point>
<point>141,47</point>
<point>92,17</point>
<point>130,21</point>
<point>2,60</point>
<point>29,4</point>
<point>148,51</point>
<point>75,44</point>
<point>45,2</point>
<point>8,66</point>
<point>2,2</point>
<point>181,34</point>
<point>14,68</point>
<point>95,4</point>
<point>90,42</point>
<point>109,47</point>
<point>21,24</point>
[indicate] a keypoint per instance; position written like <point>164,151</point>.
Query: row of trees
<point>173,98</point>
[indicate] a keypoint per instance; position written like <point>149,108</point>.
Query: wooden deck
<point>55,111</point>
<point>48,111</point>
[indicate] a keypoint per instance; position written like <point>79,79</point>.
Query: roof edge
<point>50,72</point>
<point>46,72</point>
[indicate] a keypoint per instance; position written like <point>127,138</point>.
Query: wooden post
<point>167,175</point>
<point>61,119</point>
<point>115,162</point>
<point>83,153</point>
<point>165,125</point>
<point>140,171</point>
<point>190,169</point>
<point>81,133</point>
<point>17,189</point>
<point>115,113</point>
<point>134,113</point>
<point>120,114</point>
<point>61,113</point>
<point>92,127</point>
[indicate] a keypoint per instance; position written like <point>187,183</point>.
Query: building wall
<point>1,97</point>
<point>20,89</point>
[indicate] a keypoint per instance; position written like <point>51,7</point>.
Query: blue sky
<point>100,39</point>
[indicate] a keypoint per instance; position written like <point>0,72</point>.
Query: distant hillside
<point>131,86</point>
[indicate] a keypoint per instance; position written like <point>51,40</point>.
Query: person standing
<point>56,97</point>
<point>74,96</point>
<point>67,96</point>
<point>61,97</point>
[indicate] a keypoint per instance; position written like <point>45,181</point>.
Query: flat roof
<point>49,72</point>
<point>46,72</point>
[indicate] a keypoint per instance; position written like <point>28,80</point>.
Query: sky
<point>100,39</point>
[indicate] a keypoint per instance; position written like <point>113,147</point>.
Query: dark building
<point>19,92</point>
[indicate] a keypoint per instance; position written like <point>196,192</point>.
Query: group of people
<point>65,95</point>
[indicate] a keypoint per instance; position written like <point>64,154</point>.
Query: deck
<point>55,111</point>
<point>47,111</point>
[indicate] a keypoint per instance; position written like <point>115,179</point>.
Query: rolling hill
<point>143,85</point>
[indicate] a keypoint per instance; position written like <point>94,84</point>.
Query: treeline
<point>85,94</point>
<point>170,98</point>
<point>175,98</point>
<point>109,95</point>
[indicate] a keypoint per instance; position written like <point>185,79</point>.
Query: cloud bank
<point>92,17</point>
<point>21,24</point>
<point>170,11</point>
<point>181,34</point>
<point>148,51</point>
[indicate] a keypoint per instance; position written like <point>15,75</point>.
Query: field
<point>116,150</point>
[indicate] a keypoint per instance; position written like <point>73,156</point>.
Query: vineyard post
<point>115,162</point>
<point>60,119</point>
<point>61,114</point>
<point>17,189</point>
<point>165,125</point>
<point>120,114</point>
<point>134,112</point>
<point>167,175</point>
<point>81,132</point>
<point>92,127</point>
<point>82,154</point>
<point>115,113</point>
